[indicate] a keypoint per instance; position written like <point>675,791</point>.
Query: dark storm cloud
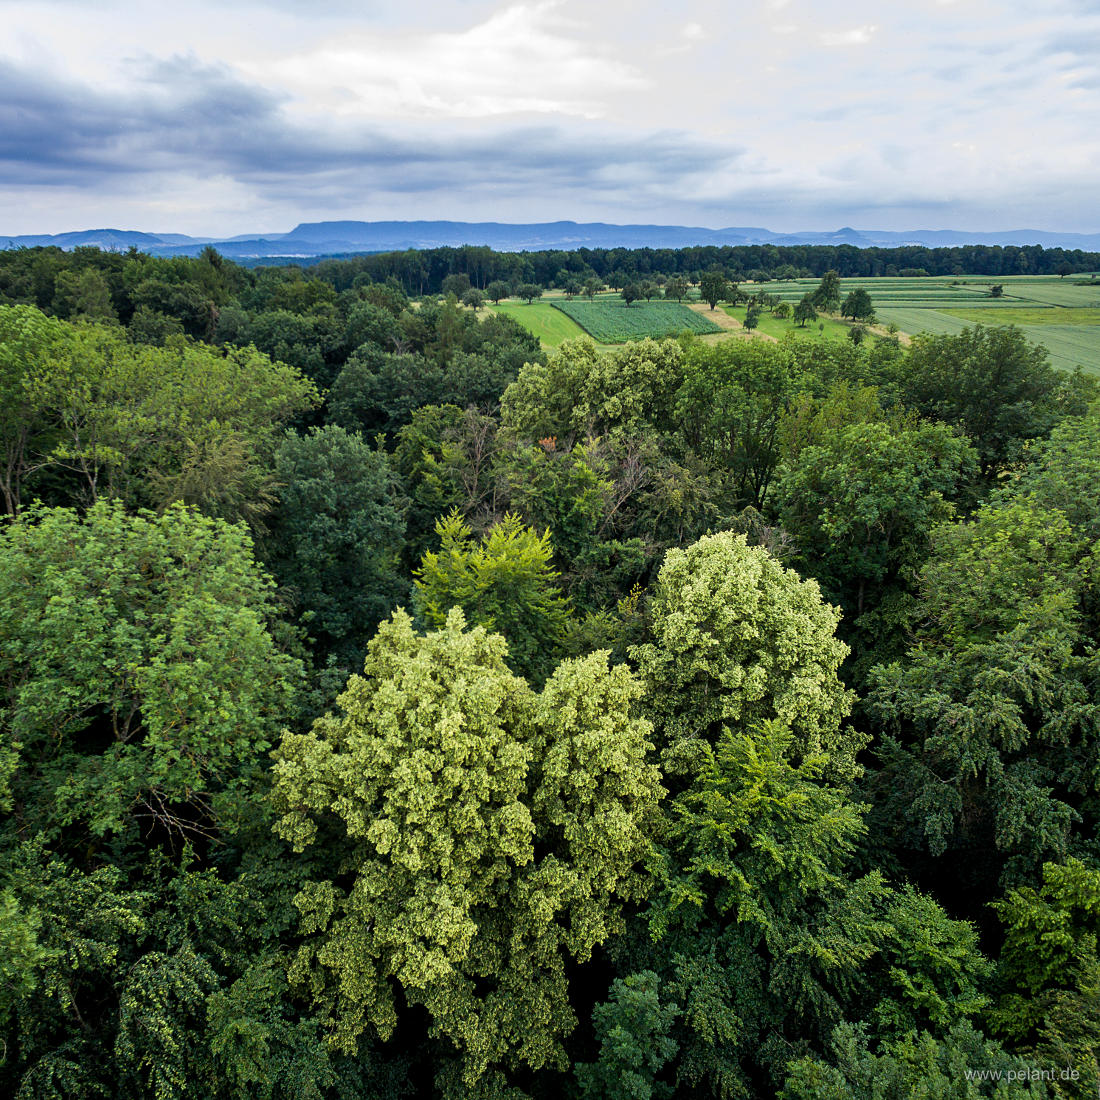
<point>60,132</point>
<point>182,115</point>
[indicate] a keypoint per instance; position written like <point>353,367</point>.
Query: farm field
<point>609,320</point>
<point>1057,313</point>
<point>550,325</point>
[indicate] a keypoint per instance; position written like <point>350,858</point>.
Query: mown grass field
<point>550,325</point>
<point>1057,313</point>
<point>610,320</point>
<point>824,328</point>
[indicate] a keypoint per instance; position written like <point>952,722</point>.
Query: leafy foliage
<point>737,640</point>
<point>174,681</point>
<point>506,584</point>
<point>337,535</point>
<point>469,893</point>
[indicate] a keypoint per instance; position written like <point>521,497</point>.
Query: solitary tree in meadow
<point>714,286</point>
<point>805,311</point>
<point>858,306</point>
<point>827,294</point>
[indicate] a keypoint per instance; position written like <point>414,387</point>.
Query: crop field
<point>1070,346</point>
<point>1058,313</point>
<point>611,321</point>
<point>550,325</point>
<point>1030,315</point>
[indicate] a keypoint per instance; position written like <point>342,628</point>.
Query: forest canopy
<point>394,707</point>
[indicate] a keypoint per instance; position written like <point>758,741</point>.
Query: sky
<point>247,116</point>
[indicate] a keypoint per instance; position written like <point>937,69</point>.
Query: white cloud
<point>518,60</point>
<point>858,36</point>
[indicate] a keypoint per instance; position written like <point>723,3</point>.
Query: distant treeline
<point>423,272</point>
<point>29,275</point>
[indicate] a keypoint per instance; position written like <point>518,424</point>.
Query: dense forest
<point>392,708</point>
<point>55,280</point>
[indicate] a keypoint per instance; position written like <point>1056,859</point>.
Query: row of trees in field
<point>393,709</point>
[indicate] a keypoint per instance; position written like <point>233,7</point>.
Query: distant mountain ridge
<point>327,238</point>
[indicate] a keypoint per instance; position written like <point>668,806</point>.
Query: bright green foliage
<point>991,382</point>
<point>1063,473</point>
<point>964,1065</point>
<point>1050,969</point>
<point>580,391</point>
<point>138,669</point>
<point>505,583</point>
<point>635,1045</point>
<point>738,640</point>
<point>337,535</point>
<point>156,425</point>
<point>492,835</point>
<point>762,933</point>
<point>730,407</point>
<point>30,342</point>
<point>20,954</point>
<point>541,402</point>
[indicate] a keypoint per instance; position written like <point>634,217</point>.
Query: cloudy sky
<point>238,117</point>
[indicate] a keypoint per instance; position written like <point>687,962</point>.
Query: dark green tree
<point>714,287</point>
<point>826,296</point>
<point>858,305</point>
<point>993,382</point>
<point>805,310</point>
<point>336,537</point>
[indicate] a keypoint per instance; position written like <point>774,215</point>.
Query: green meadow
<point>550,325</point>
<point>824,328</point>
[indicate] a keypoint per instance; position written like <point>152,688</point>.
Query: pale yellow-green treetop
<point>738,639</point>
<point>493,833</point>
